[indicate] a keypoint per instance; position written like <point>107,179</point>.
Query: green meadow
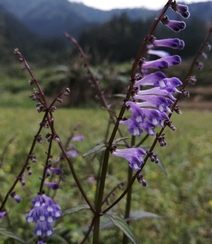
<point>182,197</point>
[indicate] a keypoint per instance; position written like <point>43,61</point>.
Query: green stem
<point>129,196</point>
<point>100,190</point>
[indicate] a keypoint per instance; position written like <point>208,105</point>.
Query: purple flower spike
<point>181,9</point>
<point>173,43</point>
<point>52,185</point>
<point>2,214</point>
<point>43,214</point>
<point>133,155</point>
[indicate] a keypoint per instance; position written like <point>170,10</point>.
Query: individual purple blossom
<point>168,91</point>
<point>135,156</point>
<point>151,79</point>
<point>41,242</point>
<point>174,43</point>
<point>42,229</point>
<point>56,171</point>
<point>52,185</point>
<point>2,214</point>
<point>159,102</point>
<point>180,9</point>
<point>161,63</point>
<point>174,25</point>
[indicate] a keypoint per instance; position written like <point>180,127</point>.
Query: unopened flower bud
<point>15,197</point>
<point>141,180</point>
<point>177,110</point>
<point>171,125</point>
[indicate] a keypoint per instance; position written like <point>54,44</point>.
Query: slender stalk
<point>129,196</point>
<point>116,127</point>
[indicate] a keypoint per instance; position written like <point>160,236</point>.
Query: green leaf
<point>76,209</point>
<point>161,166</point>
<point>139,214</point>
<point>10,234</point>
<point>122,225</point>
<point>120,139</point>
<point>59,239</point>
<point>97,148</point>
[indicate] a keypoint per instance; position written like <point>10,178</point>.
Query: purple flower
<point>143,119</point>
<point>52,185</point>
<point>38,201</point>
<point>44,213</point>
<point>43,229</point>
<point>157,91</point>
<point>173,43</point>
<point>41,242</point>
<point>56,171</point>
<point>151,79</point>
<point>133,155</point>
<point>159,102</point>
<point>2,214</point>
<point>162,63</point>
<point>174,25</point>
<point>180,9</point>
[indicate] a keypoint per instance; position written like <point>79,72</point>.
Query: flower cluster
<point>153,94</point>
<point>44,213</point>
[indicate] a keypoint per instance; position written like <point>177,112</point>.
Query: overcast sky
<point>110,4</point>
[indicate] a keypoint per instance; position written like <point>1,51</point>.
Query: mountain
<point>53,17</point>
<point>15,34</point>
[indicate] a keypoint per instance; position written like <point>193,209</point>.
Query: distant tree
<point>119,38</point>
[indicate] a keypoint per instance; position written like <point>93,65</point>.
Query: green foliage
<point>182,199</point>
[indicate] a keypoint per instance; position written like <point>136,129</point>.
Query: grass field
<point>183,197</point>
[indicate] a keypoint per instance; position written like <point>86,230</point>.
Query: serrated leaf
<point>122,225</point>
<point>76,209</point>
<point>10,234</point>
<point>139,214</point>
<point>97,148</point>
